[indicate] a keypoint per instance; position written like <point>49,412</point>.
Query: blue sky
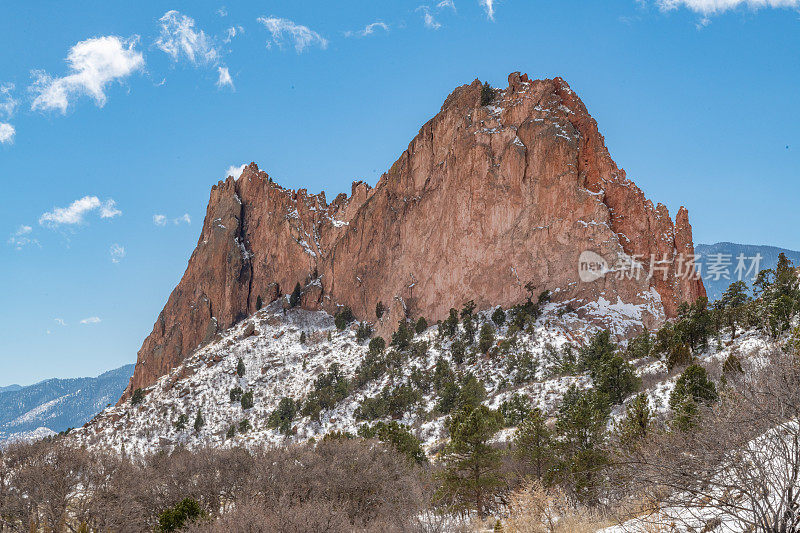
<point>116,119</point>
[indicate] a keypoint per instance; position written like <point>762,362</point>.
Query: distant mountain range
<point>730,252</point>
<point>58,404</point>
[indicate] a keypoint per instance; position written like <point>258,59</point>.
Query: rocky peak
<point>484,200</point>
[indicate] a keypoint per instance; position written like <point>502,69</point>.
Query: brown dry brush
<point>339,485</point>
<point>740,466</point>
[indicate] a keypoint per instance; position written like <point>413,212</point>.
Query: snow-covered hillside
<point>278,364</point>
<point>55,405</point>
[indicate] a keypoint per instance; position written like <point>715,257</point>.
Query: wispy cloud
<point>117,253</point>
<point>488,6</point>
<point>282,30</point>
<point>74,214</point>
<point>222,11</point>
<point>8,104</point>
<point>91,320</point>
<point>713,7</point>
<point>93,64</point>
<point>428,19</point>
<point>7,132</point>
<point>224,78</point>
<point>22,238</point>
<point>161,220</point>
<point>369,29</point>
<point>232,32</point>
<point>179,39</point>
<point>60,321</point>
<point>446,3</point>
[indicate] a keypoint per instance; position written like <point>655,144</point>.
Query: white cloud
<point>369,29</point>
<point>21,238</point>
<point>108,209</point>
<point>117,253</point>
<point>60,322</point>
<point>222,12</point>
<point>160,220</point>
<point>183,219</point>
<point>224,78</point>
<point>235,171</point>
<point>430,21</point>
<point>446,3</point>
<point>179,38</point>
<point>712,7</point>
<point>76,211</point>
<point>7,133</point>
<point>232,32</point>
<point>302,36</point>
<point>488,6</point>
<point>91,320</point>
<point>7,102</point>
<point>93,64</point>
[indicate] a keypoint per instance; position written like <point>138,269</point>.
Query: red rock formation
<point>484,200</point>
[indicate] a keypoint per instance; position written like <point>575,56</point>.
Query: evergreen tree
<point>244,426</point>
<point>181,422</point>
<point>636,423</point>
<point>137,397</point>
<point>581,431</point>
<point>283,415</point>
<point>421,325</point>
<point>379,310</point>
<point>488,94</point>
<point>616,378</point>
<point>302,337</point>
<point>182,514</point>
<point>449,326</point>
<point>694,323</point>
<point>259,303</point>
<point>732,304</point>
<point>499,317</point>
<point>297,293</point>
<point>640,346</point>
<point>363,332</point>
<point>247,400</point>
<point>199,421</point>
<point>515,410</point>
<point>486,338</point>
<point>236,394</point>
<point>377,345</point>
<point>231,433</point>
<point>533,443</point>
<point>471,464</point>
<point>599,350</point>
<point>401,339</point>
<point>396,435</point>
<point>240,369</point>
<point>692,389</point>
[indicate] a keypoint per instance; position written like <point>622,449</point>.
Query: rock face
<point>485,200</point>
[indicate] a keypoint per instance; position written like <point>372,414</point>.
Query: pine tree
<point>421,325</point>
<point>732,303</point>
<point>282,417</point>
<point>533,443</point>
<point>240,369</point>
<point>499,317</point>
<point>616,378</point>
<point>471,464</point>
<point>247,400</point>
<point>379,310</point>
<point>182,514</point>
<point>181,422</point>
<point>137,397</point>
<point>488,94</point>
<point>199,421</point>
<point>581,431</point>
<point>486,338</point>
<point>636,423</point>
<point>294,299</point>
<point>259,303</point>
<point>692,389</point>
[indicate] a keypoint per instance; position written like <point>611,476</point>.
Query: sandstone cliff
<point>484,200</point>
